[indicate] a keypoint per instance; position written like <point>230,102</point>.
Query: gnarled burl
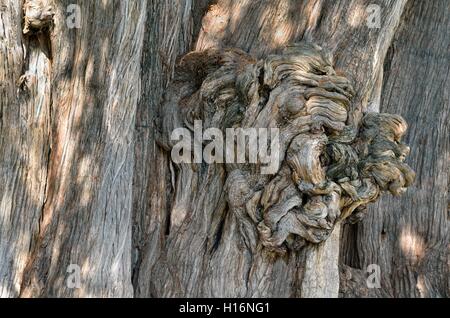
<point>330,167</point>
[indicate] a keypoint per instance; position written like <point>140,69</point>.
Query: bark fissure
<point>87,177</point>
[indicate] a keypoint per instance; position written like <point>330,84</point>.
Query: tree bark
<point>78,122</point>
<point>408,237</point>
<point>87,179</point>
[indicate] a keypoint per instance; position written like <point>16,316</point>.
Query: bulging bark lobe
<point>329,167</point>
<point>85,170</point>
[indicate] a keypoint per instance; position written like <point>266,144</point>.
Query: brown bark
<point>85,180</point>
<point>77,154</point>
<point>408,237</point>
<point>184,267</point>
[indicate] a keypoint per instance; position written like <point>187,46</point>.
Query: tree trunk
<point>87,176</point>
<point>408,238</point>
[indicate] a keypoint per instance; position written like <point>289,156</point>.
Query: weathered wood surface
<point>185,267</point>
<point>84,181</point>
<point>408,237</point>
<point>24,144</point>
<point>170,35</point>
<point>67,150</point>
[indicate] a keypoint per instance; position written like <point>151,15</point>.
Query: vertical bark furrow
<point>260,28</point>
<point>408,237</point>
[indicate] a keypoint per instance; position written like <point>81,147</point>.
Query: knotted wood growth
<point>329,168</point>
<point>38,15</point>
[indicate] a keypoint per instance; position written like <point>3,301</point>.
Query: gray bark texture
<point>87,178</point>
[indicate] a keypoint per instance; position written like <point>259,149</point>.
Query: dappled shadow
<point>85,220</point>
<point>408,236</point>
